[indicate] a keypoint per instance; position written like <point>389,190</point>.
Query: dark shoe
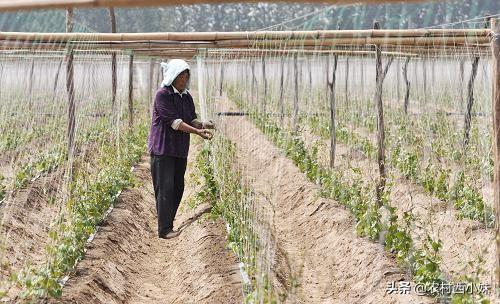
<point>169,235</point>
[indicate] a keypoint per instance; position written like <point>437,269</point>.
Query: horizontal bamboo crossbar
<point>227,54</point>
<point>260,35</point>
<point>158,50</point>
<point>420,41</point>
<point>160,43</point>
<point>415,41</point>
<point>245,44</point>
<point>12,5</point>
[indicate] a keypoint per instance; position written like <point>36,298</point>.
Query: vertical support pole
<point>327,67</point>
<point>151,78</point>
<point>245,78</point>
<point>398,81</point>
<point>253,79</point>
<point>380,75</point>
<point>380,126</point>
<point>495,49</point>
<point>159,75</point>
<point>296,96</point>
<point>363,84</point>
<point>333,109</point>
<point>264,100</point>
<point>221,76</point>
<point>417,80</point>
<point>31,80</point>
<point>310,95</point>
<point>150,84</point>
<point>131,91</point>
<point>56,80</point>
<point>434,62</point>
<point>461,85</point>
<point>70,86</point>
<point>470,101</point>
<point>424,77</point>
<point>407,82</point>
<point>282,80</point>
<point>113,61</point>
<point>200,63</point>
<point>347,82</point>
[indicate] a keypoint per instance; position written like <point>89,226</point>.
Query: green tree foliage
<point>243,17</point>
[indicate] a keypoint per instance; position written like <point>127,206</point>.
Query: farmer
<point>174,118</point>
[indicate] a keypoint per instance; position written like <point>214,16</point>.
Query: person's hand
<point>205,134</point>
<point>208,124</point>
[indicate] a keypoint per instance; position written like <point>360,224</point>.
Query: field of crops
<point>54,195</point>
<point>433,217</point>
<point>342,176</point>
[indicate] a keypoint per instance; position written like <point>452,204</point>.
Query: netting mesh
<point>437,202</point>
<point>56,181</point>
<point>424,192</point>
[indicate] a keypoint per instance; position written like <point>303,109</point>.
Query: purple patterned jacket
<point>169,106</point>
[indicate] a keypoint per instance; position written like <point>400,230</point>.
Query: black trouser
<point>168,181</point>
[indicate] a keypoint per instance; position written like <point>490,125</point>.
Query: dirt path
<point>328,263</point>
<point>127,263</point>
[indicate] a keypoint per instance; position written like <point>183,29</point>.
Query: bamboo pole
<point>30,85</point>
<point>230,54</point>
<point>200,62</point>
<point>430,35</point>
<point>380,76</point>
<point>433,69</point>
<point>347,82</point>
<point>390,50</point>
<point>243,52</point>
<point>296,91</point>
<point>264,100</point>
<point>70,87</point>
<point>112,19</point>
<point>282,102</point>
<point>131,91</point>
<point>150,80</point>
<point>462,71</point>
<point>257,80</point>
<point>150,48</point>
<point>309,96</point>
<point>221,77</point>
<point>349,50</point>
<point>407,83</point>
<point>254,80</point>
<point>333,109</point>
<point>443,42</point>
<point>424,78</point>
<point>56,80</point>
<point>398,81</point>
<point>495,50</point>
<point>363,83</point>
<point>470,102</point>
<point>236,55</point>
<point>327,67</point>
<point>381,41</point>
<point>159,76</point>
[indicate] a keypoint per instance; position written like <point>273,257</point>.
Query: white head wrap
<point>172,69</point>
